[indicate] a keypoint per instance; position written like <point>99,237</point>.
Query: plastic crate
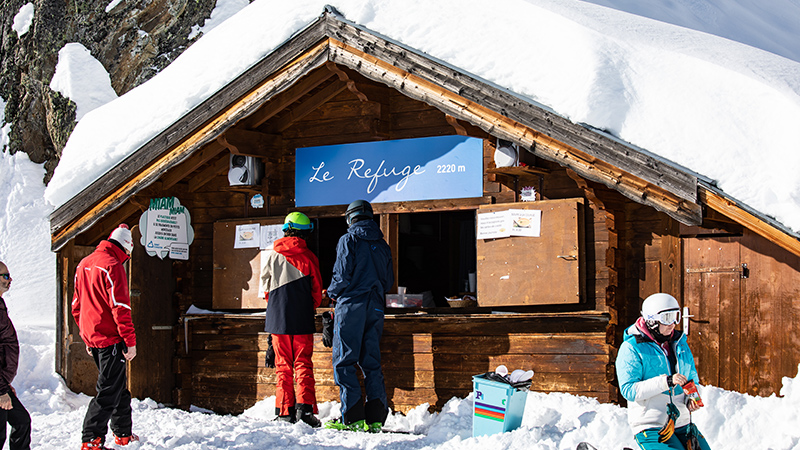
<point>498,407</point>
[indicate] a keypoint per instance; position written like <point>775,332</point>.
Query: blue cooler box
<point>498,406</point>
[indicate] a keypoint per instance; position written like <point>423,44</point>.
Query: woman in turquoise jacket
<point>653,363</point>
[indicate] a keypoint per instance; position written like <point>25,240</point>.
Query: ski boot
<point>95,444</point>
<point>125,440</point>
<point>288,418</point>
<point>375,414</point>
<point>337,424</point>
<point>305,414</point>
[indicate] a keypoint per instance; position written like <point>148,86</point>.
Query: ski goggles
<point>670,317</point>
<point>298,226</point>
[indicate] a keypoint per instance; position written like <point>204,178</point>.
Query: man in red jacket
<point>292,285</point>
<point>102,309</point>
<point>11,410</point>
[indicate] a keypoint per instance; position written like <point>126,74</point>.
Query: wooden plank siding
<point>567,353</point>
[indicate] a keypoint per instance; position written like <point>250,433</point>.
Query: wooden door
<point>154,318</point>
<point>534,270</point>
<point>712,294</point>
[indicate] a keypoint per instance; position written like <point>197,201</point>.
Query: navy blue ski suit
<point>362,275</point>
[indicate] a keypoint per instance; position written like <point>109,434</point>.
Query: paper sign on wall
<point>511,222</point>
<point>269,234</point>
<point>166,229</point>
<point>248,236</point>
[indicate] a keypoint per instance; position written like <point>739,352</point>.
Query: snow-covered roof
<point>723,109</point>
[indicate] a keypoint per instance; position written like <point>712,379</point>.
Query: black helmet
<point>359,208</point>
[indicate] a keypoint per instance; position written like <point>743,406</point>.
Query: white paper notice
<point>526,222</point>
<point>494,225</point>
<point>512,222</point>
<point>248,236</point>
<point>179,251</point>
<point>269,234</point>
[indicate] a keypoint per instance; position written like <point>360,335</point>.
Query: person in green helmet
<point>292,286</point>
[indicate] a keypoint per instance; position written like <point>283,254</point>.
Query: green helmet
<point>297,221</point>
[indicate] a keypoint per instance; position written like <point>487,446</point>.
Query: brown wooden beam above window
<point>251,143</point>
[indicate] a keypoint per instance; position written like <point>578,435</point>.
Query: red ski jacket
<point>292,285</point>
<point>102,306</point>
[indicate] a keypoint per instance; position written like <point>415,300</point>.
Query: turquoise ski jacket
<point>642,369</point>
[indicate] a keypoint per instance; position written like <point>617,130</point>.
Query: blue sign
<point>389,171</point>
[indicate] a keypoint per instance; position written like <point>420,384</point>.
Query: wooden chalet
<point>617,224</point>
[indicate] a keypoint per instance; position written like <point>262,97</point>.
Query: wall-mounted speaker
<point>506,154</point>
<point>245,170</point>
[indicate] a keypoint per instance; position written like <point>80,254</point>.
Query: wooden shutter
<point>534,270</point>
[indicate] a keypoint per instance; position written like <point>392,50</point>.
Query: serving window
<point>435,254</point>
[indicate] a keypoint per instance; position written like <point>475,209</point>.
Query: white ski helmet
<point>661,308</point>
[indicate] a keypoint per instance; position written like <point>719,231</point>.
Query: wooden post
<point>391,233</point>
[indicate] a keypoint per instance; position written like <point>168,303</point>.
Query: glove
<point>270,359</point>
<point>692,441</point>
<point>327,329</point>
<point>666,432</point>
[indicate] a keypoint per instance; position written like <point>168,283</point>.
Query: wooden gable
<point>256,111</point>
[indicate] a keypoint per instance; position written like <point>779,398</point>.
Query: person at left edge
<point>102,309</point>
<point>292,286</point>
<point>11,410</point>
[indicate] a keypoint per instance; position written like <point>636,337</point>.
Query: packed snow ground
<point>551,421</point>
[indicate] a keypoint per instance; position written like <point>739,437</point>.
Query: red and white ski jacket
<point>102,306</point>
<point>292,285</point>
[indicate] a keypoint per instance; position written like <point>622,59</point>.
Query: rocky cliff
<point>133,40</point>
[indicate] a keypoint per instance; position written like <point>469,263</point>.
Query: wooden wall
<point>425,360</point>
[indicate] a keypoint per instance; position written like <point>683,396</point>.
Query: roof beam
<point>197,160</point>
<point>286,98</point>
<point>105,226</point>
<point>250,143</point>
<point>208,174</point>
<point>306,107</point>
<point>735,212</point>
<point>351,85</point>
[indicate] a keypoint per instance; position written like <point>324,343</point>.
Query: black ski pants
<point>113,401</point>
<point>20,422</point>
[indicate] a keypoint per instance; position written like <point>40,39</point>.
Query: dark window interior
<point>437,251</point>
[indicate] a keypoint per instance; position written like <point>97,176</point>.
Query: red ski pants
<point>293,358</point>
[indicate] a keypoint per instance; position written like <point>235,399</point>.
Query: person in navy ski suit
<point>362,275</point>
<point>653,363</point>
